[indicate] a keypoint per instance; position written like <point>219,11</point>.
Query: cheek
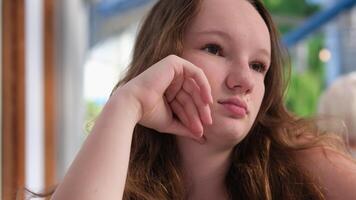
<point>191,56</point>
<point>262,93</point>
<point>213,73</point>
<point>216,80</point>
<point>259,94</point>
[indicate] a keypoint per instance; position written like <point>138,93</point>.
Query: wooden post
<point>13,94</point>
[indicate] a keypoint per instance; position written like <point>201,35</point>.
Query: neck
<point>204,169</point>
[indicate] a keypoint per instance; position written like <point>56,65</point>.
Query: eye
<point>213,49</point>
<point>258,67</point>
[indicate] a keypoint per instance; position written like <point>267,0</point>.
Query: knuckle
<point>172,61</point>
<point>173,104</point>
<point>187,87</point>
<point>172,58</point>
<point>176,106</point>
<point>181,97</point>
<point>199,72</point>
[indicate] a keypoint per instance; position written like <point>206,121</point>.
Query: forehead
<point>237,19</point>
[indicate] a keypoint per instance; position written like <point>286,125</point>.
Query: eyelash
<point>217,48</point>
<point>262,68</point>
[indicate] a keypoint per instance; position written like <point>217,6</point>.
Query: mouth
<point>235,106</point>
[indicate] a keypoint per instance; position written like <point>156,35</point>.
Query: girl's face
<point>230,42</point>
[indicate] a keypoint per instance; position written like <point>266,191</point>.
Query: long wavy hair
<point>263,165</point>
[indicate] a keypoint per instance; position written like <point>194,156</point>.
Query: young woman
<point>200,115</point>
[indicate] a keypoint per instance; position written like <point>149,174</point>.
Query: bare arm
<point>100,169</point>
<point>103,159</point>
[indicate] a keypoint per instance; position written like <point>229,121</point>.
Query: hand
<point>174,96</point>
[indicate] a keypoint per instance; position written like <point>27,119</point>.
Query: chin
<point>226,133</point>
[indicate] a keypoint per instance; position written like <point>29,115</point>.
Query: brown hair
<point>262,164</point>
<point>154,171</point>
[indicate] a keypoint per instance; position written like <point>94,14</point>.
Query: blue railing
<point>316,21</point>
<point>108,8</point>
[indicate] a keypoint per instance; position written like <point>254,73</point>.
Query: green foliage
<point>291,8</point>
<point>305,88</point>
<point>93,110</point>
<point>303,94</point>
<point>315,44</point>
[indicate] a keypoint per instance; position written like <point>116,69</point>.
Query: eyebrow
<point>262,51</point>
<point>213,32</point>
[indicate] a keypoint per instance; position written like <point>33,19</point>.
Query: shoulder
<point>336,173</point>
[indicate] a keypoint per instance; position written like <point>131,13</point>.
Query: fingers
<point>178,109</point>
<point>189,95</point>
<point>187,92</point>
<point>174,88</point>
<point>185,69</point>
<point>181,126</point>
<point>191,112</point>
<point>177,128</point>
<point>199,77</point>
<point>192,89</point>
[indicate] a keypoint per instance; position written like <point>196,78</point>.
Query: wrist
<point>125,99</point>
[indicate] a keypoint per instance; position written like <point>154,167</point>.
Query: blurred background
<point>61,59</point>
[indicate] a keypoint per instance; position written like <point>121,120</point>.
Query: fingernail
<point>199,133</point>
<point>208,120</point>
<point>210,117</point>
<point>209,99</point>
<point>201,139</point>
<point>196,129</point>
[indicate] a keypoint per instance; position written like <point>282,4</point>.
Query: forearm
<point>99,171</point>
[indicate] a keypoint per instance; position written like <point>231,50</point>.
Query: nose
<point>240,79</point>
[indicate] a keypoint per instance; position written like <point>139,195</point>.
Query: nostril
<point>244,87</point>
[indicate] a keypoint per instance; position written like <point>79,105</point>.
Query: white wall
<point>34,148</point>
<point>71,46</point>
<point>72,43</point>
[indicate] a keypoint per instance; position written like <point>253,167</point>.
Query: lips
<point>235,106</point>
